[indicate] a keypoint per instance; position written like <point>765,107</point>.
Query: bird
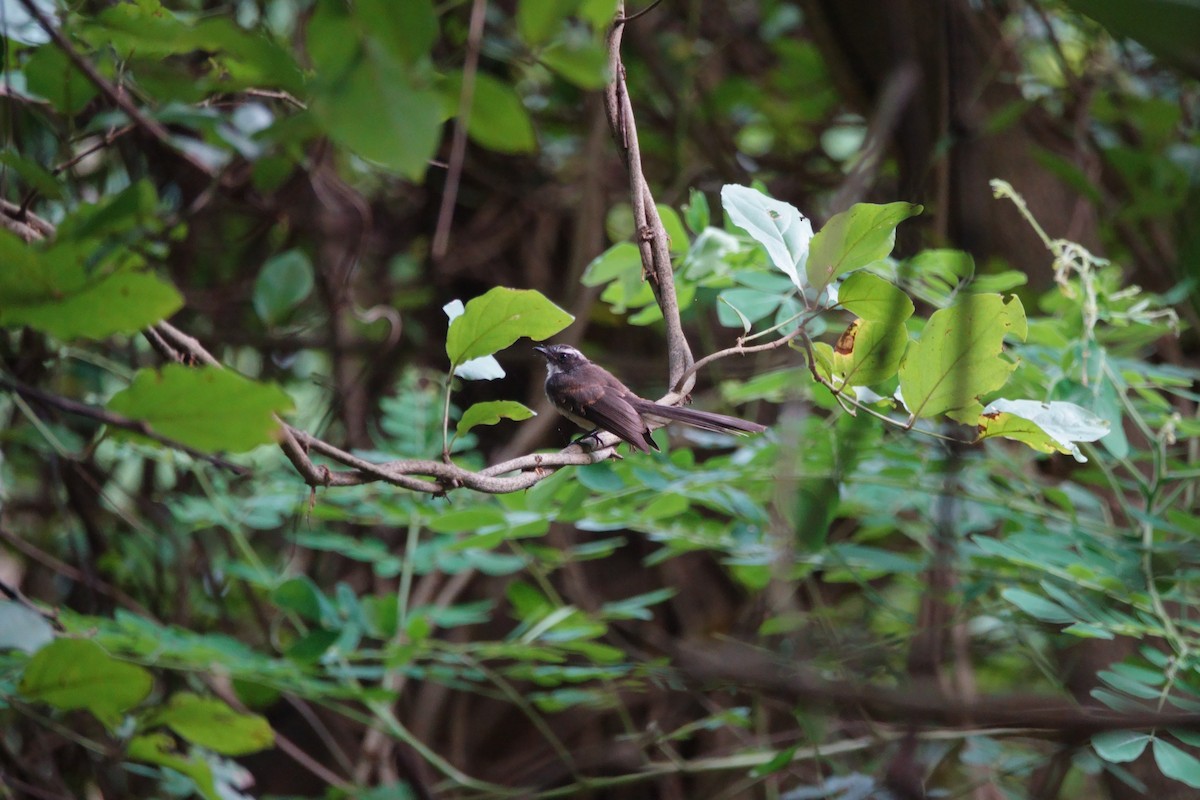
<point>591,397</point>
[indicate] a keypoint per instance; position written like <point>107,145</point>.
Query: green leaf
<point>615,262</point>
<point>780,228</point>
<point>582,62</point>
<point>867,353</point>
<point>538,20</point>
<point>77,673</point>
<point>1037,606</point>
<point>498,119</point>
<point>210,722</point>
<point>936,275</point>
<point>749,306</point>
<point>696,212</point>
<point>495,320</point>
<point>872,298</point>
<point>863,233</point>
<point>301,595</point>
<point>491,412</point>
<point>54,292</point>
<point>159,748</point>
<point>206,408</point>
<point>284,282</point>
<point>35,175</point>
<point>1120,747</point>
<point>407,28</point>
<point>379,108</point>
<point>484,368</point>
<point>1175,763</point>
<point>50,74</point>
<point>957,359</point>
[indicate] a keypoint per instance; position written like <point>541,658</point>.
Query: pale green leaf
<point>206,408</point>
<point>1060,425</point>
<point>495,320</point>
<point>863,233</point>
<point>538,20</point>
<point>491,412</point>
<point>1037,606</point>
<point>777,226</point>
<point>1120,747</point>
<point>958,357</point>
<point>1175,763</point>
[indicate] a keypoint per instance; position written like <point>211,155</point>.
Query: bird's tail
<point>704,420</point>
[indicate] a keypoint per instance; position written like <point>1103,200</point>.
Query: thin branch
<point>650,234</point>
<point>458,144</point>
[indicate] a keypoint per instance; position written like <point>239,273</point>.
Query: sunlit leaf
<point>855,237</point>
<point>958,357</point>
<point>495,320</point>
<point>777,226</point>
<point>211,723</point>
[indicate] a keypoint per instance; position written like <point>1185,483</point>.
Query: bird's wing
<point>605,407</point>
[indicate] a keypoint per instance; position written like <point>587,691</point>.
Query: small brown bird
<point>589,395</point>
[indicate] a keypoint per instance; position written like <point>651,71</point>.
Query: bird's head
<point>560,357</point>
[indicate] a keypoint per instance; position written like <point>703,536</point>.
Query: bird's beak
<point>542,350</point>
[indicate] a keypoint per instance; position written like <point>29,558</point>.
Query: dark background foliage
<point>809,616</point>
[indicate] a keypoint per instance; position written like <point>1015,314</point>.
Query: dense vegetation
<point>285,514</point>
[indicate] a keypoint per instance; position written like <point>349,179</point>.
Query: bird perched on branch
<point>589,395</point>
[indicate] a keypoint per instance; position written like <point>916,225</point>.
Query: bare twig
<point>458,145</point>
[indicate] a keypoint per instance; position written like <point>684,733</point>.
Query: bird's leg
<point>593,434</point>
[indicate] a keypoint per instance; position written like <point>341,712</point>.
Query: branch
<point>651,236</point>
<point>1068,720</point>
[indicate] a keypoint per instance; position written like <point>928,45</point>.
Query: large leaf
<point>210,722</point>
<point>206,408</point>
<point>491,412</point>
<point>777,226</point>
<point>54,292</point>
<point>495,320</point>
<point>77,673</point>
<point>863,233</point>
<point>957,359</point>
